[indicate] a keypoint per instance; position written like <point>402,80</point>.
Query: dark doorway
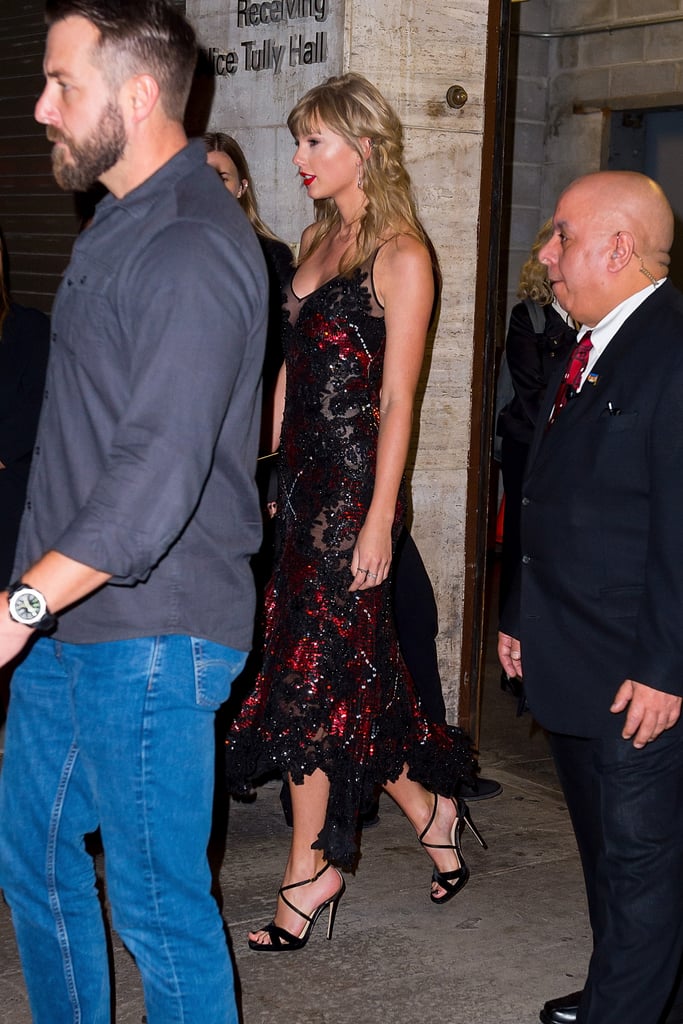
<point>651,141</point>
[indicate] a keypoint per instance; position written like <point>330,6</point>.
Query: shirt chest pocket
<point>82,316</point>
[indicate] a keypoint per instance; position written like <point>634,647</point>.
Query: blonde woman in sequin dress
<point>334,706</point>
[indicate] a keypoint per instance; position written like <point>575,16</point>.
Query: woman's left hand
<point>371,559</point>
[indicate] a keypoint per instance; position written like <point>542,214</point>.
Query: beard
<point>80,165</point>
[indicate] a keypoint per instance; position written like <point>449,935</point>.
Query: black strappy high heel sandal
<point>280,939</point>
<point>452,881</point>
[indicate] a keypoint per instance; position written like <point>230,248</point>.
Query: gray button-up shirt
<point>146,450</point>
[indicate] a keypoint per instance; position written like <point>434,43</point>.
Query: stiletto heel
<point>464,815</point>
<point>280,939</point>
<point>452,881</point>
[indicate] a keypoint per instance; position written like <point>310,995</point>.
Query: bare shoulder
<point>403,260</point>
<point>403,247</point>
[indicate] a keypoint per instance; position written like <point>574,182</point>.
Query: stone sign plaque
<point>265,55</point>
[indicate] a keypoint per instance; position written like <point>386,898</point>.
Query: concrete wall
<point>413,53</point>
<point>562,86</point>
<point>526,136</point>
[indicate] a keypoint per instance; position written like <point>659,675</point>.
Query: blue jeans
<point>118,735</point>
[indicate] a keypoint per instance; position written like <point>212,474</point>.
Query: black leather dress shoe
<point>565,1009</point>
<point>561,1011</point>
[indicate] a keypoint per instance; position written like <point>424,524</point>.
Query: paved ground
<point>516,935</point>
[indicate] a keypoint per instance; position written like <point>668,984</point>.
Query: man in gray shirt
<point>132,570</point>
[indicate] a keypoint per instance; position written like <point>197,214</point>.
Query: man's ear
<point>142,95</point>
<point>622,249</point>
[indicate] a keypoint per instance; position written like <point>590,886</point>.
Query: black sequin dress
<point>333,692</point>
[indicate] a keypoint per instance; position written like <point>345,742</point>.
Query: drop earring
<point>360,176</point>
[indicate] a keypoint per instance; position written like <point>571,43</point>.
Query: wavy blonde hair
<point>533,277</point>
<point>352,107</point>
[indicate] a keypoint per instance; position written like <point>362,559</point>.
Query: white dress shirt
<point>604,331</point>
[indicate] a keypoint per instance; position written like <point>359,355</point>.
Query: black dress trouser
<point>626,807</point>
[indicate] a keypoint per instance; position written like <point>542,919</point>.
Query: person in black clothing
<point>593,622</point>
<point>539,338</point>
<point>225,155</point>
<point>227,158</point>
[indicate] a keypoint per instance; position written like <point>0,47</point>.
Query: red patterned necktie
<point>571,381</point>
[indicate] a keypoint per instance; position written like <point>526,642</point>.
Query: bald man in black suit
<point>596,624</point>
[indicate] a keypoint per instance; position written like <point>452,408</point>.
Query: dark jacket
<point>600,590</point>
<point>531,358</point>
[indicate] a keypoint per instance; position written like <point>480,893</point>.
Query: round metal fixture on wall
<point>456,97</point>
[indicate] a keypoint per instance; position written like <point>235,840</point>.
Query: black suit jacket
<point>600,590</point>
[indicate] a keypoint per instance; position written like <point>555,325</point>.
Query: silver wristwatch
<point>28,606</point>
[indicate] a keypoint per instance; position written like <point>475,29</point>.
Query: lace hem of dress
<point>440,758</point>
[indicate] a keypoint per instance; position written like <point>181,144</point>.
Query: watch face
<point>27,606</point>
